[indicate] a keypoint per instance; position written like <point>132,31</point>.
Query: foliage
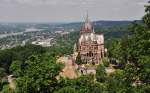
<point>65,43</point>
<point>139,53</point>
<point>38,75</point>
<point>16,68</point>
<point>18,53</point>
<point>100,73</point>
<point>6,89</point>
<point>135,54</point>
<point>78,59</point>
<point>83,84</point>
<point>66,90</point>
<point>146,18</point>
<point>105,62</point>
<point>2,74</point>
<point>114,49</point>
<point>5,59</point>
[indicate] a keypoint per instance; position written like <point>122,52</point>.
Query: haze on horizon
<point>70,10</point>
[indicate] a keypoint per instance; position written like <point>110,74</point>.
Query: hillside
<point>102,24</point>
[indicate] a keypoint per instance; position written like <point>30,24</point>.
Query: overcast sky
<point>69,10</point>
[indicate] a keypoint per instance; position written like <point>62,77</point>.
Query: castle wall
<point>91,53</point>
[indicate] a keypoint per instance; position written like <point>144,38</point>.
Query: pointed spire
<point>75,47</point>
<point>93,30</point>
<point>87,26</point>
<point>84,39</point>
<point>87,17</point>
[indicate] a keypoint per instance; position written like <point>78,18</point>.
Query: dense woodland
<point>35,68</point>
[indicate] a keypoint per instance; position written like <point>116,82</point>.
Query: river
<point>10,34</point>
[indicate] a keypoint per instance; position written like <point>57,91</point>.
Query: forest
<point>35,68</point>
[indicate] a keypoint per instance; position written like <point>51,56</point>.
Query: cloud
<point>70,10</point>
<point>50,2</point>
<point>86,3</point>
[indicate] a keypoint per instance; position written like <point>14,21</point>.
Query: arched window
<point>101,54</point>
<point>90,53</point>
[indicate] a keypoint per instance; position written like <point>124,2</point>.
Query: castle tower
<point>86,27</point>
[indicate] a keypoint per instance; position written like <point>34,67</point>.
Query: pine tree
<point>78,59</point>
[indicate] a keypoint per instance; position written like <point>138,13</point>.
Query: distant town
<point>12,35</point>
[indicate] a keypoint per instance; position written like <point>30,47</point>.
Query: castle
<point>90,45</point>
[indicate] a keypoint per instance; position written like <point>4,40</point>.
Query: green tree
<point>138,55</point>
<point>18,53</point>
<point>6,89</point>
<point>83,84</point>
<point>6,57</point>
<point>68,89</point>
<point>105,62</point>
<point>114,50</point>
<point>39,75</point>
<point>2,74</point>
<point>146,18</point>
<point>139,51</point>
<point>78,59</point>
<point>16,68</point>
<point>100,73</point>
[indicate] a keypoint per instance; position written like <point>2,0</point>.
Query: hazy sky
<point>69,10</point>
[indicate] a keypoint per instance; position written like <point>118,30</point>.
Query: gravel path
<point>11,82</point>
<point>69,69</point>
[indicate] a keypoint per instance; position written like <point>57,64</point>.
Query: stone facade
<point>90,45</point>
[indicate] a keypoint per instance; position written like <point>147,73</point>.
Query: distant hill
<point>111,23</point>
<point>99,24</point>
